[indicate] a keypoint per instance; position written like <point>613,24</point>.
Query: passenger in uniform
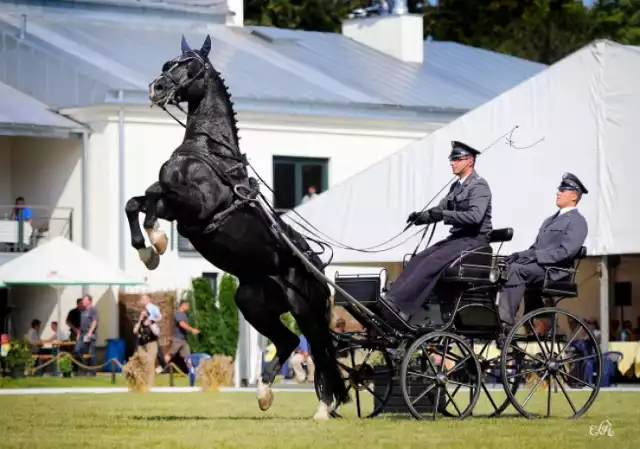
<point>467,208</point>
<point>559,239</point>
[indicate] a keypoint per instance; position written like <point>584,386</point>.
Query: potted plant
<point>18,358</point>
<point>66,366</point>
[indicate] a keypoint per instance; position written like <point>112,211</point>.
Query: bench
<point>477,266</point>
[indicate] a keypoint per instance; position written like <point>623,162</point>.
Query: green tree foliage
<point>216,316</point>
<point>310,15</point>
<point>228,316</point>
<point>203,315</point>
<point>538,30</point>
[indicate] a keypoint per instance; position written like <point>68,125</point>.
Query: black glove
<point>412,217</point>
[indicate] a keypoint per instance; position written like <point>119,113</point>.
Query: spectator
<point>21,212</point>
<point>300,359</point>
<point>179,344</point>
<point>155,316</point>
<point>147,332</point>
<point>33,336</point>
<point>88,331</point>
<point>311,193</point>
<point>627,331</point>
<point>73,320</point>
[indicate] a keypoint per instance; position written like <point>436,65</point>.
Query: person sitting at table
<point>21,212</point>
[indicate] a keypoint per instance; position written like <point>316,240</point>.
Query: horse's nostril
<point>159,86</point>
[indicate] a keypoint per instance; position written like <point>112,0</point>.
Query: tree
<point>228,316</point>
<point>203,315</point>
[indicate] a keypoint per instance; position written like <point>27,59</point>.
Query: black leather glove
<point>412,217</point>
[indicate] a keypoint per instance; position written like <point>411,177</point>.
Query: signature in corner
<point>605,428</point>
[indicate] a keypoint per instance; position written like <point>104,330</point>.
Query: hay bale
<point>215,372</point>
<point>139,371</point>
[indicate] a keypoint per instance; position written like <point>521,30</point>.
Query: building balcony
<point>31,226</point>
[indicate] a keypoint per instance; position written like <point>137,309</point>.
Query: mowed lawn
<point>232,420</point>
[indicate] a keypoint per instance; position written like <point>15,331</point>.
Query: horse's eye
<point>166,66</point>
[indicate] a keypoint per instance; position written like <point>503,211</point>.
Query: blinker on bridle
<point>170,96</point>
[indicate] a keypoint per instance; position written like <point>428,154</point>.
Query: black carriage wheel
<point>358,378</point>
<point>550,361</point>
<point>436,377</point>
<point>491,364</point>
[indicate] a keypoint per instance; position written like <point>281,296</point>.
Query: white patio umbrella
<point>61,263</point>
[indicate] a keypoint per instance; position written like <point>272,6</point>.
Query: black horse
<point>205,188</point>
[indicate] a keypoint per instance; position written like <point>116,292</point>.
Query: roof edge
<point>361,110</point>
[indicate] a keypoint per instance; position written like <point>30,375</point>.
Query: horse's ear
<point>206,47</point>
<point>184,46</point>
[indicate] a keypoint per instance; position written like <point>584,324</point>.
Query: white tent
<point>580,115</point>
<point>61,263</point>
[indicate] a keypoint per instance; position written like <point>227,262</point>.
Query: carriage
<point>451,345</point>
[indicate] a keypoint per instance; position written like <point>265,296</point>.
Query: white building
<point>314,107</point>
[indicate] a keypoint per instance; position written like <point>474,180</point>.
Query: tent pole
<point>604,303</point>
<point>85,198</point>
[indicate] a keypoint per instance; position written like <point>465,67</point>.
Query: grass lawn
<point>233,420</point>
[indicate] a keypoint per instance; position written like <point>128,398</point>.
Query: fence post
<point>171,375</point>
<point>113,372</point>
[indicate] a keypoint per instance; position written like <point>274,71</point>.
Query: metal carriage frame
<point>464,311</point>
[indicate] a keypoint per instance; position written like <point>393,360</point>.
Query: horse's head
<point>182,78</point>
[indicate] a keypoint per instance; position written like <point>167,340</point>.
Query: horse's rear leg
<point>310,306</point>
<point>261,302</point>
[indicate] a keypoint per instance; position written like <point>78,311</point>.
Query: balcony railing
<point>18,234</point>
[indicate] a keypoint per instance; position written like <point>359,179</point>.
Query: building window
<point>292,178</point>
<point>213,280</point>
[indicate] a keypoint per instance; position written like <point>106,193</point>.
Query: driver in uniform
<point>467,208</point>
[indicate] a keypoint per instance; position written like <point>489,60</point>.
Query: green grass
<point>233,420</point>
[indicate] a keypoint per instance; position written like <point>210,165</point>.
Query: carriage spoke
<point>372,392</point>
<point>525,353</point>
<point>566,395</point>
<point>426,376</point>
<point>524,373</point>
<point>534,389</point>
<point>564,373</point>
<point>461,384</point>
<point>435,406</point>
<point>575,334</point>
<point>427,390</point>
<point>577,359</point>
<point>486,390</point>
<point>452,401</point>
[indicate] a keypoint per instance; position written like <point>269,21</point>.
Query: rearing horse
<point>204,186</point>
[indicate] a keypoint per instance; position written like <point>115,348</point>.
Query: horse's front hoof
<point>264,396</point>
<point>322,414</point>
<point>159,241</point>
<point>149,257</point>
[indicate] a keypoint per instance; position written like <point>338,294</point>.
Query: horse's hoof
<point>264,395</point>
<point>159,240</point>
<point>149,257</point>
<point>322,414</point>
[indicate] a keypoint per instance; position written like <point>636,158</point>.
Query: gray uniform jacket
<point>467,207</point>
<point>560,238</point>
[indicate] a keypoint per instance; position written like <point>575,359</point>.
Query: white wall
<point>6,143</point>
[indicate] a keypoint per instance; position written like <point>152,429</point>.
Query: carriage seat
<point>477,265</point>
<point>567,287</point>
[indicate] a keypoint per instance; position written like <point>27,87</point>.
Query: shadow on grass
<point>172,418</point>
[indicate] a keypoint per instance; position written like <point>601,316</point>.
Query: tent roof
<point>20,112</point>
<point>62,262</point>
<point>580,115</point>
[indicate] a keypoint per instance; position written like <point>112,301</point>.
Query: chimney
<point>396,32</point>
<point>236,13</point>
